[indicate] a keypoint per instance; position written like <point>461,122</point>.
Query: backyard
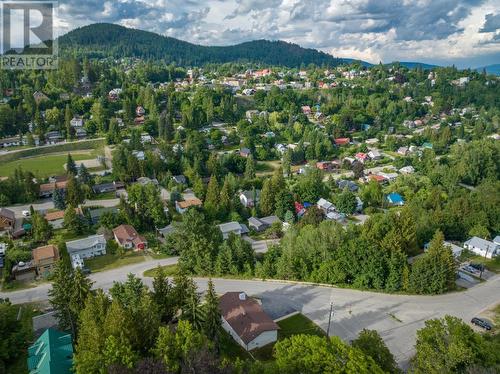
<point>294,325</point>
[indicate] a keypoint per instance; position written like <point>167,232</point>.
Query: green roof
<point>52,353</point>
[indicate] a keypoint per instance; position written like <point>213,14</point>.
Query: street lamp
<point>329,320</point>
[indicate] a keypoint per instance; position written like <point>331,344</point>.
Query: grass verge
<point>110,261</point>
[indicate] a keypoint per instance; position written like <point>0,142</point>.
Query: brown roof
<point>46,187</point>
<point>246,317</point>
<point>59,214</point>
<point>45,252</point>
<point>52,216</point>
<point>7,213</point>
<point>127,233</point>
<point>190,202</point>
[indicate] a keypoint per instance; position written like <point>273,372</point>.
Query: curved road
<point>395,317</point>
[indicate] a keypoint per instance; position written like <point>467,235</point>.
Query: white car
<point>26,213</point>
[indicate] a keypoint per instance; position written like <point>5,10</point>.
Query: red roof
<point>245,317</point>
<point>298,207</point>
<point>377,178</point>
<point>342,141</point>
<point>361,155</point>
<point>127,234</point>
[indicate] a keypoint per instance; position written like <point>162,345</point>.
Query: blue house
<point>395,199</point>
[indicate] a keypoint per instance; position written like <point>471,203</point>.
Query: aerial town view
<point>250,187</point>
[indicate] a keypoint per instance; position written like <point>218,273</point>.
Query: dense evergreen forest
<point>108,40</point>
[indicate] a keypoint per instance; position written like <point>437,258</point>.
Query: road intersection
<point>395,317</point>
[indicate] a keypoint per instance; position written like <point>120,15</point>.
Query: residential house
<point>245,152</point>
<point>182,206</point>
<point>361,157</point>
<point>140,111</point>
<point>374,154</point>
<point>336,216</point>
<point>377,178</point>
<point>232,227</point>
<point>325,205</point>
<point>250,198</point>
<point>127,237</point>
<point>167,230</point>
<point>24,271</point>
<point>350,185</point>
<point>52,353</point>
<point>107,187</point>
<point>91,246</point>
<point>482,247</point>
<point>245,320</point>
<point>140,155</point>
<point>7,219</point>
<point>80,133</point>
<point>407,170</point>
<point>342,141</point>
<point>324,165</point>
<point>39,97</point>
<point>306,110</point>
<point>76,122</point>
<point>179,179</point>
<point>262,224</point>
<point>388,176</point>
<point>45,259</point>
<point>96,214</point>
<point>55,219</point>
<point>395,199</point>
<point>47,189</point>
<point>455,249</point>
<point>403,151</point>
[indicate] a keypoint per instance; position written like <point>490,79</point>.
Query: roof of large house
<point>51,353</point>
<point>127,233</point>
<point>7,213</point>
<point>88,242</point>
<point>45,252</point>
<point>481,243</point>
<point>246,317</point>
<point>230,226</point>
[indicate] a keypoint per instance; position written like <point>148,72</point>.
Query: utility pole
<point>329,320</point>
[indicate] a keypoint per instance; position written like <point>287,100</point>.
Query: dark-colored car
<point>479,267</point>
<point>481,323</point>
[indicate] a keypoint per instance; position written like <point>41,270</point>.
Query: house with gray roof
<point>482,247</point>
<point>232,227</point>
<point>91,246</point>
<point>96,214</point>
<point>261,224</point>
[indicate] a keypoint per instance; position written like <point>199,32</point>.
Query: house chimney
<point>243,296</point>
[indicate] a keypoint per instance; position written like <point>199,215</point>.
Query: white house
<point>249,198</point>
<point>374,154</point>
<point>88,247</point>
<point>482,247</point>
<point>325,205</point>
<point>245,320</point>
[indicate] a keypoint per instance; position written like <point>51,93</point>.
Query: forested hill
<point>109,40</point>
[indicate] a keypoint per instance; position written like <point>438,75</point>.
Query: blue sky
<point>461,32</point>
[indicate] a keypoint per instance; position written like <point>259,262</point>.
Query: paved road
<point>395,317</point>
<point>47,204</point>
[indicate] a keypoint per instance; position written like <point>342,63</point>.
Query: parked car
<point>481,323</point>
<point>26,213</point>
<point>478,267</point>
<point>470,269</point>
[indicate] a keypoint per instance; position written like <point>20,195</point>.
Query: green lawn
<point>297,324</point>
<point>44,165</point>
<point>110,261</point>
<point>170,270</point>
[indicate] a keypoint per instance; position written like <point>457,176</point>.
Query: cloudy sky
<point>461,32</point>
